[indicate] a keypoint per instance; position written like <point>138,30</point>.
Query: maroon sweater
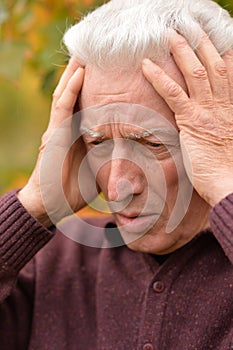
<point>69,296</point>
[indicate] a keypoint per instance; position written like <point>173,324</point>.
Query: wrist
<point>220,191</point>
<point>33,203</point>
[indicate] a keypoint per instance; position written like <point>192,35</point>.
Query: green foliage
<point>12,55</point>
<point>32,59</point>
<point>31,33</point>
<point>227,4</point>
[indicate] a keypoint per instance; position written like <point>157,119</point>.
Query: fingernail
<point>147,62</point>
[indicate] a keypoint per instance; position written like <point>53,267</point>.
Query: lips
<point>136,223</point>
<point>125,220</point>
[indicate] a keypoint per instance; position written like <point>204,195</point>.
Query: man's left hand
<point>204,114</point>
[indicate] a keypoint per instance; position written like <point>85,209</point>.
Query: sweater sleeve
<point>21,237</point>
<point>221,221</point>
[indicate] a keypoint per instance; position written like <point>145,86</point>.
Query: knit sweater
<point>58,294</point>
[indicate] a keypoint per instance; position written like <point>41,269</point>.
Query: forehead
<point>126,120</point>
<point>104,88</point>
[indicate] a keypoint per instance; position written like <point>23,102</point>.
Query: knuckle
<point>205,39</point>
<point>220,68</point>
<point>228,54</point>
<point>173,90</point>
<point>44,138</point>
<point>231,78</point>
<point>199,73</point>
<point>55,94</point>
<point>73,90</point>
<point>180,43</point>
<point>60,106</point>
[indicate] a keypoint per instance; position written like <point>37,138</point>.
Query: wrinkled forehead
<point>132,88</point>
<point>132,117</point>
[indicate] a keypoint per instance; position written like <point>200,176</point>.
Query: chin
<point>160,243</point>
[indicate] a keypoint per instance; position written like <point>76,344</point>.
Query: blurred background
<point>32,59</point>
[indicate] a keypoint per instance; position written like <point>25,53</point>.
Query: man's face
<point>133,150</point>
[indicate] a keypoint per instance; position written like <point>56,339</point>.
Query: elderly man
<point>151,84</point>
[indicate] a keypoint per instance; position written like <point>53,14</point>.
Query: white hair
<point>120,33</point>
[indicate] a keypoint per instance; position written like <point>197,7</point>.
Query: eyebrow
<point>143,134</point>
<point>92,133</point>
<point>131,135</point>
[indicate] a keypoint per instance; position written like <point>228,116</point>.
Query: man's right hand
<point>32,196</point>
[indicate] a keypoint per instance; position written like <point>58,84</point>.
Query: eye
<point>97,142</point>
<point>100,148</point>
<point>154,144</point>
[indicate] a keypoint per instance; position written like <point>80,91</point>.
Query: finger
<point>228,59</point>
<point>194,72</point>
<point>72,66</point>
<point>216,69</point>
<point>172,93</point>
<point>64,106</point>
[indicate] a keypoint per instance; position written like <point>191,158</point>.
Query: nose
<point>125,180</point>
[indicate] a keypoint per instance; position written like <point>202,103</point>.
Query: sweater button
<point>148,346</point>
<point>158,287</point>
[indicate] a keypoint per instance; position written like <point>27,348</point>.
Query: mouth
<point>136,223</point>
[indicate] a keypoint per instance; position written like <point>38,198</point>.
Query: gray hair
<point>120,33</point>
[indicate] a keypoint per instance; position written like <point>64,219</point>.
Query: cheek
<point>171,177</point>
<point>100,171</point>
<point>102,178</point>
